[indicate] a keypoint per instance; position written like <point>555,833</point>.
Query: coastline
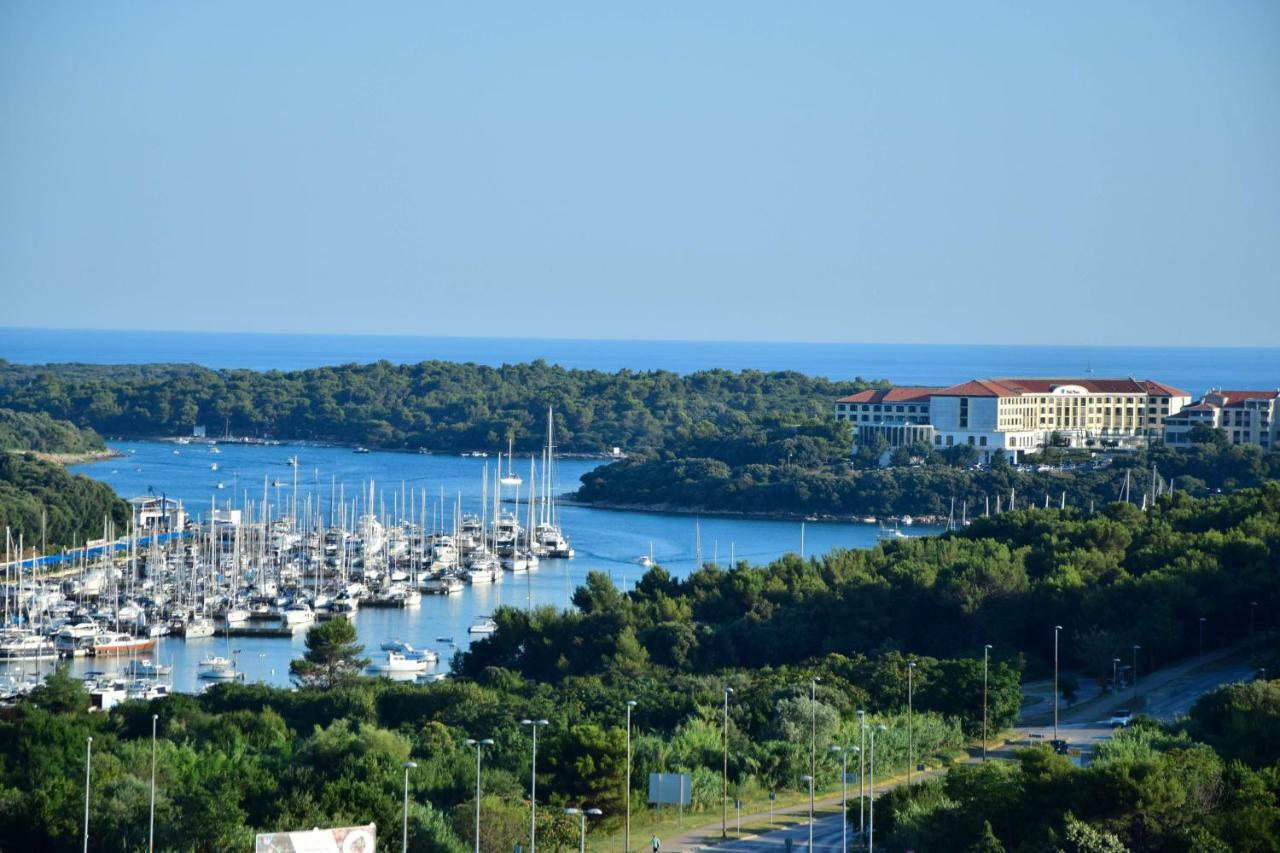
<point>307,442</point>
<point>73,458</point>
<point>672,509</point>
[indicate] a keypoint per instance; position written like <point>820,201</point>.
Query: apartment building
<point>1246,417</point>
<point>1015,415</point>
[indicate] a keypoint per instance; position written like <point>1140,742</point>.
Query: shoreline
<point>306,442</point>
<point>73,458</point>
<point>672,509</point>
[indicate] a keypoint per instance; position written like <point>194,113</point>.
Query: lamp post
<point>1135,672</point>
<point>151,830</point>
<point>1056,629</point>
<point>582,825</point>
<point>478,744</point>
<point>813,746</point>
<point>911,759</point>
<point>724,776</point>
<point>862,778</point>
<point>533,780</point>
<point>1202,635</point>
<point>844,793</point>
<point>1115,670</point>
<point>986,657</point>
<point>404,838</point>
<point>1253,605</point>
<point>871,806</point>
<point>88,766</point>
<point>807,778</point>
<point>626,832</point>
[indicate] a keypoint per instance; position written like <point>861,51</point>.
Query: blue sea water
<point>610,541</point>
<point>1194,369</point>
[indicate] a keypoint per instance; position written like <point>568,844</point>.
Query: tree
<point>1082,838</point>
<point>333,656</point>
<point>988,843</point>
<point>1070,687</point>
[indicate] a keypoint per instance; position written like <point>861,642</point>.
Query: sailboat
<point>550,538</point>
<point>511,478</point>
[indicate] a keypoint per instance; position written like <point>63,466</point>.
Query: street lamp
<point>626,832</point>
<point>1056,629</point>
<point>862,769</point>
<point>1115,671</point>
<point>582,829</point>
<point>533,781</point>
<point>807,778</point>
<point>724,777</point>
<point>911,668</point>
<point>986,657</point>
<point>844,794</point>
<point>813,745</point>
<point>1202,635</point>
<point>1253,605</point>
<point>88,766</point>
<point>151,832</point>
<point>404,843</point>
<point>871,806</point>
<point>478,744</point>
<point>1135,671</point>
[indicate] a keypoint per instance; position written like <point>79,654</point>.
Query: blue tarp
<point>80,553</point>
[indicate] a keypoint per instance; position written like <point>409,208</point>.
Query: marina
<point>415,549</point>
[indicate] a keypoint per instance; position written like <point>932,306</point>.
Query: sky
<point>1082,173</point>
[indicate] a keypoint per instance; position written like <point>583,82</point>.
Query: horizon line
<point>656,340</point>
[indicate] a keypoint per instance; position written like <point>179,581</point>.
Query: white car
<point>1121,718</point>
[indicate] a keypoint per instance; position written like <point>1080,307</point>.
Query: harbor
<point>417,550</point>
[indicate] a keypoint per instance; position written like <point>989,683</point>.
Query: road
<point>1166,694</point>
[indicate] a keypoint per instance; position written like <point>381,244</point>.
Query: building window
<point>964,413</point>
<point>983,441</point>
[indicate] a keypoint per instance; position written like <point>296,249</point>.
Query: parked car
<point>1121,718</point>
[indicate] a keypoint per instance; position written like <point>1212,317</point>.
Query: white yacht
<point>485,626</point>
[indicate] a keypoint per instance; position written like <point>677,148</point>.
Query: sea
<point>610,541</point>
<point>1194,369</point>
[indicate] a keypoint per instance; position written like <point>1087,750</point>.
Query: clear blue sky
<point>948,172</point>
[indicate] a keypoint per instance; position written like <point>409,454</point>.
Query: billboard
<point>670,789</point>
<point>347,839</point>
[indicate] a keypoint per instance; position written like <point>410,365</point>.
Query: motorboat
<point>20,645</point>
<point>147,668</point>
<point>197,628</point>
<point>431,677</point>
<point>115,644</point>
<point>397,662</point>
<point>484,626</point>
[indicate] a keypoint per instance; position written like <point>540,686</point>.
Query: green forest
<point>439,406</point>
<point>1113,578</point>
<point>38,432</point>
<point>242,758</point>
<point>42,499</point>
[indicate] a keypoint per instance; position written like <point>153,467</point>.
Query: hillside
<point>36,431</point>
<point>434,405</point>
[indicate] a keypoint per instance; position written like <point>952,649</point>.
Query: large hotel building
<point>1016,416</point>
<point>1245,417</point>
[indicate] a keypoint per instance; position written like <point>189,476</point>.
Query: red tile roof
<point>978,388</point>
<point>1236,398</point>
<point>1011,387</point>
<point>905,394</point>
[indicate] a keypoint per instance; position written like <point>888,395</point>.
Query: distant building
<point>1246,417</point>
<point>898,415</point>
<point>153,514</point>
<point>1016,416</point>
